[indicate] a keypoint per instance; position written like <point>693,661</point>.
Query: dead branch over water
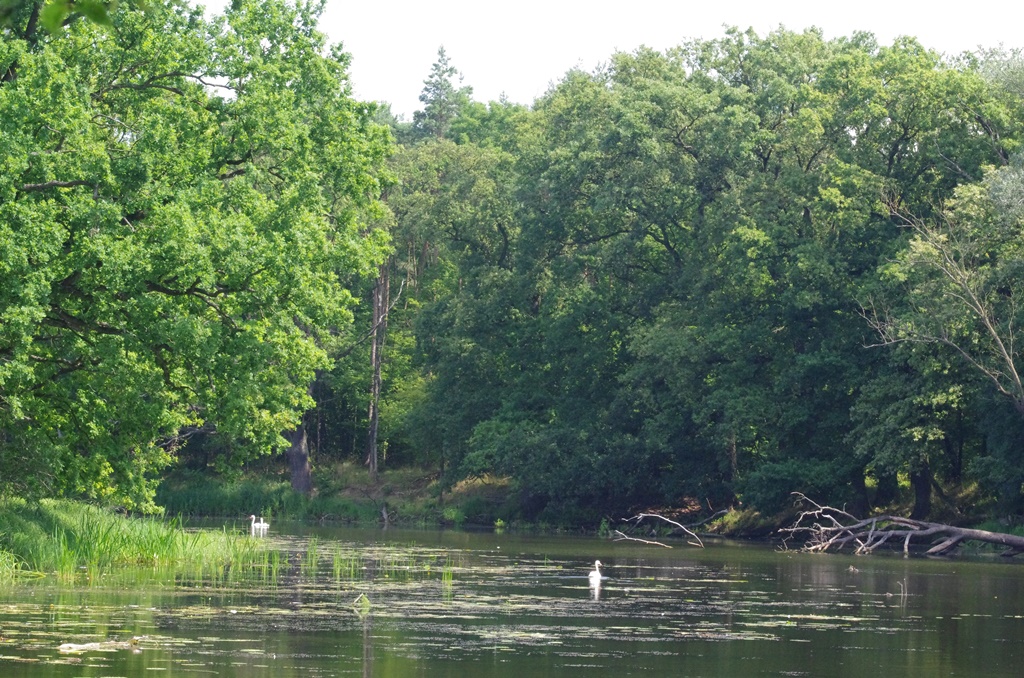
<point>826,528</point>
<point>693,539</point>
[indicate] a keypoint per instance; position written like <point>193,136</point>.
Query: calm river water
<point>415,603</point>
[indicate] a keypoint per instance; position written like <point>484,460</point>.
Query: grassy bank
<point>345,493</point>
<point>72,540</point>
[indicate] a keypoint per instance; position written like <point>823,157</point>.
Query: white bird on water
<point>258,529</point>
<point>595,574</point>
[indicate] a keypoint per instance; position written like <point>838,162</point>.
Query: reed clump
<point>70,539</point>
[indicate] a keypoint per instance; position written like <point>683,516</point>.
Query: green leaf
<point>95,11</point>
<point>53,14</point>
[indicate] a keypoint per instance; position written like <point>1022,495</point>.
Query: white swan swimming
<point>258,529</point>
<point>595,574</point>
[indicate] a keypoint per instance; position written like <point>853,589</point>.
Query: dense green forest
<point>709,276</point>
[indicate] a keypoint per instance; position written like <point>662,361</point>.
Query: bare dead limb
<point>637,519</point>
<point>620,536</point>
<point>826,527</point>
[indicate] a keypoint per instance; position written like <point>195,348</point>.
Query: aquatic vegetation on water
<point>102,646</point>
<point>325,607</point>
<point>311,562</point>
<point>344,564</point>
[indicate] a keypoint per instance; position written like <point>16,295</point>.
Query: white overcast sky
<point>521,47</point>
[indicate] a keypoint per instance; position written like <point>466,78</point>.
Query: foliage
<point>194,494</point>
<point>676,308</point>
<point>54,14</point>
<point>181,220</point>
<point>718,273</point>
<point>962,278</point>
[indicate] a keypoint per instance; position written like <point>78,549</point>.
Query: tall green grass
<point>72,540</point>
<point>10,566</point>
<point>75,543</point>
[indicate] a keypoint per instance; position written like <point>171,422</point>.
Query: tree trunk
<point>298,454</point>
<point>298,460</point>
<point>921,482</point>
<point>381,299</point>
<point>733,458</point>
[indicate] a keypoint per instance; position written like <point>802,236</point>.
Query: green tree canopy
<point>696,230</point>
<point>180,217</point>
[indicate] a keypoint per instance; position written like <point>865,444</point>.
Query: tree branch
<point>637,519</point>
<point>825,527</point>
<point>383,319</point>
<point>28,188</point>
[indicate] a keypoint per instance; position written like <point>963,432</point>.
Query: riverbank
<point>411,496</point>
<point>74,541</point>
<point>345,493</point>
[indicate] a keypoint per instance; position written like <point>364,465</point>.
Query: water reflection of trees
<point>367,646</point>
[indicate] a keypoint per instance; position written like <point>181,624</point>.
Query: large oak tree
<point>181,216</point>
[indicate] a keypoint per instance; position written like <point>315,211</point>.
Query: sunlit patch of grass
<point>199,494</point>
<point>347,493</point>
<point>195,494</point>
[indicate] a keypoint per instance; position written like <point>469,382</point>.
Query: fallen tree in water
<point>825,527</point>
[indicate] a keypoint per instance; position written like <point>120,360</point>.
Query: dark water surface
<point>419,603</point>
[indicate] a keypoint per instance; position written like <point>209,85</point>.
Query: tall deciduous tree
<point>962,273</point>
<point>959,286</point>
<point>455,232</point>
<point>180,218</point>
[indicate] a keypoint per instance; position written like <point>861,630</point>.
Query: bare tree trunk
<point>298,453</point>
<point>381,300</point>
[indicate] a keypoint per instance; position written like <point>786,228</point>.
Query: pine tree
<point>442,100</point>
